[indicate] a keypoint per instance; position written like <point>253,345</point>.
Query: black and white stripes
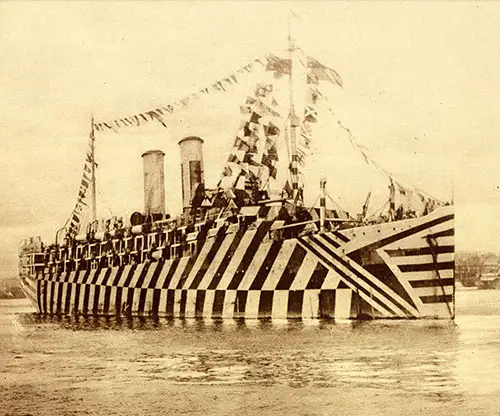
<point>246,273</point>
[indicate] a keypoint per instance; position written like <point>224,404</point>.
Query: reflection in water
<point>409,357</point>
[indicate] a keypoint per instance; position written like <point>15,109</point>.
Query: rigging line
<point>241,71</point>
<point>338,206</point>
<point>378,211</point>
<point>370,159</point>
<point>101,194</point>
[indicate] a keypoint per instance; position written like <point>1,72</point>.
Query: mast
<point>92,151</point>
<point>294,120</point>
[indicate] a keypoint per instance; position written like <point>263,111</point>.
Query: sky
<point>421,92</point>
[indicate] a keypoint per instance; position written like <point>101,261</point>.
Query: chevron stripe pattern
<point>244,273</point>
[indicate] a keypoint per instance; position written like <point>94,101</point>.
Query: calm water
<point>109,367</point>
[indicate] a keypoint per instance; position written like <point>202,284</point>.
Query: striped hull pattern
<point>403,269</point>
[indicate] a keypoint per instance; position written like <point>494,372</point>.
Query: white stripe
<point>279,265</point>
<point>332,280</point>
<point>252,306</point>
<point>136,275</point>
<point>178,273</point>
<point>305,272</point>
<point>428,275</point>
<point>422,259</point>
<point>124,275</point>
<point>209,303</point>
<point>343,298</point>
<point>434,291</point>
<point>216,261</point>
<point>190,304</point>
<point>163,274</point>
<point>229,300</point>
<point>162,308</point>
<point>149,274</point>
<point>254,266</point>
<point>112,300</point>
<point>280,304</point>
<point>236,259</point>
<point>199,262</point>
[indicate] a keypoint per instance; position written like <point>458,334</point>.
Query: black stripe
<point>266,304</point>
<point>96,276</point>
<point>142,300</point>
<point>86,276</point>
<point>59,297</point>
<point>77,275</point>
<point>200,242</point>
<point>403,234</point>
<point>130,299</point>
<point>327,303</point>
<point>227,258</point>
<point>432,283</point>
<point>427,266</point>
<point>67,278</point>
<point>106,276</point>
<point>200,301</point>
<point>402,252</point>
<point>38,294</point>
<point>345,276</point>
<point>107,299</point>
<point>341,237</point>
<point>171,272</point>
<point>142,276</point>
<point>51,301</point>
<point>266,266</point>
<point>44,296</point>
<point>130,275</point>
<point>292,268</point>
<point>240,303</point>
<point>156,275</point>
<point>118,300</point>
<point>218,305</point>
<point>318,277</point>
<point>445,233</point>
<point>330,240</point>
<point>119,273</point>
<point>67,304</point>
<point>156,301</point>
<point>221,234</point>
<point>295,302</point>
<point>362,277</point>
<point>170,302</point>
<point>97,292</point>
<point>86,295</point>
<point>78,287</point>
<point>437,299</point>
<point>182,312</point>
<point>249,254</point>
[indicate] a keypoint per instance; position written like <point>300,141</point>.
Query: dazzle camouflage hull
<point>401,269</point>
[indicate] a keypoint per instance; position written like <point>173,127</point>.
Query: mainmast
<point>294,120</point>
<point>92,151</point>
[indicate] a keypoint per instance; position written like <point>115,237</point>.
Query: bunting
<point>253,158</point>
<point>158,114</point>
<point>316,71</point>
<point>80,206</point>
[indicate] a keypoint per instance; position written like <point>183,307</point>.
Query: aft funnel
<point>191,168</point>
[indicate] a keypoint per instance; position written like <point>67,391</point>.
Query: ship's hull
<point>402,269</point>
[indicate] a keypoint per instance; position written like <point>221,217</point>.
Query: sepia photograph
<point>249,207</point>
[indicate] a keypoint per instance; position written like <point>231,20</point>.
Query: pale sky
<point>421,91</point>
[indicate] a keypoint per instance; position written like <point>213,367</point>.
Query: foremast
<point>293,119</point>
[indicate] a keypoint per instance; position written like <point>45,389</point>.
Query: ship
<point>238,250</point>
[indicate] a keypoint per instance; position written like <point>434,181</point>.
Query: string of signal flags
<point>316,72</point>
